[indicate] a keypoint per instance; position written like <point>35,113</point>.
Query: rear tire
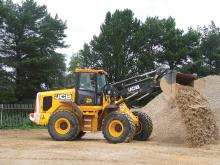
<point>63,125</point>
<point>118,127</point>
<point>145,128</point>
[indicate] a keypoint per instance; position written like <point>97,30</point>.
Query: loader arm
<point>136,88</point>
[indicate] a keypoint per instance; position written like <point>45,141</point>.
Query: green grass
<point>16,120</point>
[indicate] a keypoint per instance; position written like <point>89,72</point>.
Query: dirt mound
<point>167,125</point>
<point>210,88</point>
<point>201,127</point>
<point>167,119</point>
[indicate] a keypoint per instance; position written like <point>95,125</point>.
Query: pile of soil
<point>166,118</point>
<point>197,117</point>
<point>171,122</point>
<point>209,87</point>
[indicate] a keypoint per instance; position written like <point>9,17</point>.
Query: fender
<point>75,108</point>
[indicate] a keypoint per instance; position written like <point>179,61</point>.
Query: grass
<point>27,124</point>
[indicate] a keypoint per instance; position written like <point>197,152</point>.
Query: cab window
<point>87,81</point>
<point>101,82</point>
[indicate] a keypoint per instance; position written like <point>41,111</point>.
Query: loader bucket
<point>168,82</point>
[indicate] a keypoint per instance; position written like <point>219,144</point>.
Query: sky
<point>84,17</point>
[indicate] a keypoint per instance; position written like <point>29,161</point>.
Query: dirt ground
<point>25,147</point>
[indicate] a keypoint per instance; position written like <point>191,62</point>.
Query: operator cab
<point>89,86</point>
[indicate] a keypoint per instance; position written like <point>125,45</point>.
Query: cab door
<point>90,88</point>
<point>86,89</point>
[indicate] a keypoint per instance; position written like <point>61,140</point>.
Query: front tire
<point>63,125</point>
<point>145,128</point>
<point>118,127</point>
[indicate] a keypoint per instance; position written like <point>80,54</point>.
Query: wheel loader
<point>95,105</point>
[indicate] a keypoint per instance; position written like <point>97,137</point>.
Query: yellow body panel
<point>90,117</point>
<point>56,104</point>
<point>90,113</point>
<point>125,109</point>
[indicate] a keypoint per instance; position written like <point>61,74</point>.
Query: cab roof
<point>90,71</point>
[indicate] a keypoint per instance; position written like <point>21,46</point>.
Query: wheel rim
<point>116,128</point>
<point>62,126</point>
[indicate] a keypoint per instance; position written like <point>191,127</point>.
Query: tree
<point>112,48</point>
<point>177,46</point>
<point>6,83</point>
<point>127,47</point>
<point>2,11</point>
<point>7,94</point>
<point>210,48</point>
<point>148,43</point>
<point>30,37</point>
<point>87,59</point>
<point>159,42</point>
<point>206,60</point>
<point>76,62</point>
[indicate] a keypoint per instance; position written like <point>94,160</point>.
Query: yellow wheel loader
<point>95,105</point>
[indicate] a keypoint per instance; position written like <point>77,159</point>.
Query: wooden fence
<point>15,115</point>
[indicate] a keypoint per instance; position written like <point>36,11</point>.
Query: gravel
<point>167,116</point>
<point>198,119</point>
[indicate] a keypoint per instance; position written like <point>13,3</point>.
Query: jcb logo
<point>63,97</point>
<point>131,89</point>
<point>88,100</point>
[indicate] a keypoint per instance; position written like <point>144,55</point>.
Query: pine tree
<point>30,37</point>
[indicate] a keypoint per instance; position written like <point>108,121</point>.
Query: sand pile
<point>168,122</point>
<point>166,118</point>
<point>210,88</point>
<point>197,117</point>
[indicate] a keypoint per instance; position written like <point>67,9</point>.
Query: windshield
<point>87,81</point>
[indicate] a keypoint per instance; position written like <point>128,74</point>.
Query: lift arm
<point>141,86</point>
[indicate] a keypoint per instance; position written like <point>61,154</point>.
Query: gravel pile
<point>170,123</point>
<point>167,125</point>
<point>209,87</point>
<point>198,119</point>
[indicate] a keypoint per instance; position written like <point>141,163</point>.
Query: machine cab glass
<point>89,88</point>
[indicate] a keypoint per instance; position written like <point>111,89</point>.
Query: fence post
<point>1,108</point>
